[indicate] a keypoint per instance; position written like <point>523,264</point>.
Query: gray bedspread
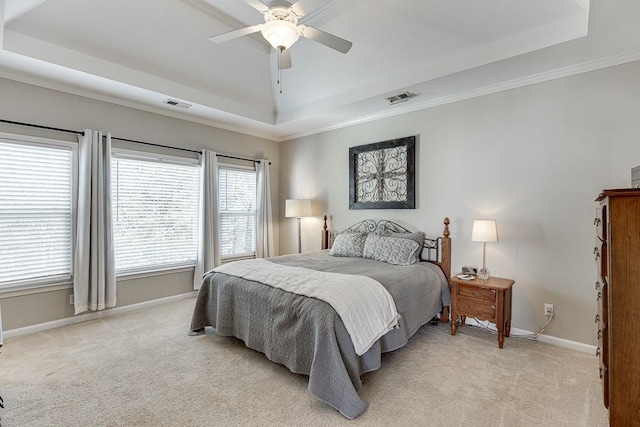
<point>306,334</point>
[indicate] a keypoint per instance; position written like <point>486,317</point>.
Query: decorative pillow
<point>418,237</point>
<point>393,250</point>
<point>348,244</point>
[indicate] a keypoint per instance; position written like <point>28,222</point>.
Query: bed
<point>250,300</point>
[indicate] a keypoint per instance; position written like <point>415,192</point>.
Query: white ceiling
<point>141,52</point>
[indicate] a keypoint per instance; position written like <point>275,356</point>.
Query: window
<point>237,221</point>
<point>155,211</point>
<point>36,211</point>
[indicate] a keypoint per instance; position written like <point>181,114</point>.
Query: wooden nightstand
<point>485,299</point>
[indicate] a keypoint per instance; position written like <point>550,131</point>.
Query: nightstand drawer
<point>471,307</point>
<point>477,292</point>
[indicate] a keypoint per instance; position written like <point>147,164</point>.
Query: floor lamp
<point>297,208</point>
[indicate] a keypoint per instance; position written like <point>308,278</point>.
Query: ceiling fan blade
<point>258,5</point>
<point>303,7</point>
<point>329,40</point>
<point>221,38</point>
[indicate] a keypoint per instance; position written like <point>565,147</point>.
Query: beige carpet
<point>142,368</point>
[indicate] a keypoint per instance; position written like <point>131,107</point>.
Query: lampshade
<point>297,208</point>
<point>484,230</point>
<point>279,32</point>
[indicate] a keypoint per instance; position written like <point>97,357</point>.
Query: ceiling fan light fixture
<point>280,33</point>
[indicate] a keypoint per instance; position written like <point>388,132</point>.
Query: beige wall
<point>26,103</point>
<point>532,158</point>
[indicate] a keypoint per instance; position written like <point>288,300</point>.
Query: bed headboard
<point>438,250</point>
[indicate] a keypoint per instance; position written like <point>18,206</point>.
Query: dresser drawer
<point>603,301</point>
<point>601,223</point>
<point>476,292</point>
<point>604,379</point>
<point>472,307</point>
<point>603,345</point>
<point>600,254</point>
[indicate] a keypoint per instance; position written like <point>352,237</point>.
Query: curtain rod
<point>185,149</point>
<point>79,132</point>
<point>155,145</point>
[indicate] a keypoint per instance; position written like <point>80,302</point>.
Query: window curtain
<point>94,277</point>
<point>264,220</point>
<point>208,247</point>
<point>0,324</point>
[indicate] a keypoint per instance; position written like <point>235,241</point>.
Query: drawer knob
<point>597,285</point>
<point>597,318</point>
<point>599,334</point>
<point>598,351</point>
<point>599,296</point>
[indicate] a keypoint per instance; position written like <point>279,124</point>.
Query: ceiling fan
<point>283,26</point>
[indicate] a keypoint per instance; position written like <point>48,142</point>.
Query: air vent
<point>178,104</point>
<point>402,97</point>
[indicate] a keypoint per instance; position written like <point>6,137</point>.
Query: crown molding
<point>415,105</point>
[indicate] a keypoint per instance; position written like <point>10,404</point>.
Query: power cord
<point>532,336</point>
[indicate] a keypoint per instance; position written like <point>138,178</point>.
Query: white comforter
<point>364,305</point>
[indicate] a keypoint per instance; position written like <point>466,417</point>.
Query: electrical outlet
<point>548,310</point>
<point>71,299</point>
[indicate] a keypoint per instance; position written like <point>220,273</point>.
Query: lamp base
<point>483,273</point>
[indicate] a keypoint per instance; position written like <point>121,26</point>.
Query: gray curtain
<point>208,247</point>
<point>94,277</point>
<point>0,323</point>
<point>264,220</point>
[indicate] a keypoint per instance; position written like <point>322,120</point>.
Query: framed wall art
<point>382,175</point>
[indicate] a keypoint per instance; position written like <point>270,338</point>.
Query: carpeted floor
<point>142,369</point>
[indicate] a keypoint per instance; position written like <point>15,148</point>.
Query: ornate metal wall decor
<point>382,175</point>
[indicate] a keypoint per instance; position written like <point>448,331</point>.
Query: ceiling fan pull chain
<point>280,50</point>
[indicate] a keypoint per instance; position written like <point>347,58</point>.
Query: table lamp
<point>484,230</point>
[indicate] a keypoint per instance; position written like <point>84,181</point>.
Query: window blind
<point>36,199</point>
<point>237,217</point>
<point>155,209</point>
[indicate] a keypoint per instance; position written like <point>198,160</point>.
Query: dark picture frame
<point>382,175</point>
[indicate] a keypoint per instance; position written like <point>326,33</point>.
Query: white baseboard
<point>574,345</point>
<point>549,339</point>
<point>94,315</point>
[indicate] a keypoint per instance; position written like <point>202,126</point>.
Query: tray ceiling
<point>140,53</point>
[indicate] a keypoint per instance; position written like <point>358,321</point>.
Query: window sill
<point>29,289</point>
<point>20,290</point>
<point>237,258</point>
<point>152,273</point>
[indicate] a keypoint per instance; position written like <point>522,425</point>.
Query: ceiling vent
<point>178,104</point>
<point>402,97</point>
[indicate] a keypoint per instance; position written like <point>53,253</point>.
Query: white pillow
<point>348,244</point>
<point>393,250</point>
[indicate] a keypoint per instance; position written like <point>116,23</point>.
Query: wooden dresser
<point>617,254</point>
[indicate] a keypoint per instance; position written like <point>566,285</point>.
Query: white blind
<point>237,221</point>
<point>36,190</point>
<point>155,210</point>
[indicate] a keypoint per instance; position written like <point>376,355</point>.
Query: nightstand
<point>485,299</point>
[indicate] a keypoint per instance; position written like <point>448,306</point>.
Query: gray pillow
<point>418,237</point>
<point>393,250</point>
<point>348,244</point>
